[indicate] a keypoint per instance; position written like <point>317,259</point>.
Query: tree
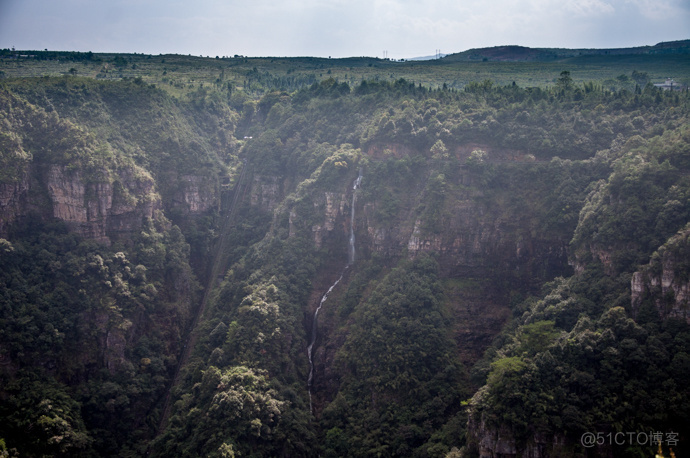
<point>439,150</point>
<point>476,158</point>
<point>565,82</point>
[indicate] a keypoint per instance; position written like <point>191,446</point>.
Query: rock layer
<point>664,280</point>
<point>100,206</point>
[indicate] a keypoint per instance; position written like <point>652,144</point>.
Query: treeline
<point>72,56</point>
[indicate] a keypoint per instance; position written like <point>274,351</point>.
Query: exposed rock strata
<point>664,280</point>
<point>333,206</point>
<point>13,200</point>
<point>265,192</point>
<point>196,194</point>
<point>101,206</point>
<point>500,442</point>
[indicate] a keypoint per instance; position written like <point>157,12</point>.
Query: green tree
<point>565,82</point>
<point>439,150</point>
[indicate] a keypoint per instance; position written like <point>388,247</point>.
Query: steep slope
<point>606,349</point>
<point>498,220</point>
<point>91,332</point>
<point>497,231</point>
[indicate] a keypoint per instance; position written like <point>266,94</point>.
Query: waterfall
<point>350,261</point>
<point>313,336</point>
<point>351,246</point>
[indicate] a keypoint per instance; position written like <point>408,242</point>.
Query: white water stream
<point>350,261</point>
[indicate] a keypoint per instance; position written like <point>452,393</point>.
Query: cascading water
<point>350,261</point>
<point>351,246</point>
<point>313,336</point>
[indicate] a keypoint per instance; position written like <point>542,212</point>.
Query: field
<point>179,75</point>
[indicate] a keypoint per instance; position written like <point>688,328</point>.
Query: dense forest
<point>521,278</point>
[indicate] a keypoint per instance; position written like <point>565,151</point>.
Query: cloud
<point>589,7</point>
<point>406,28</point>
<point>662,10</point>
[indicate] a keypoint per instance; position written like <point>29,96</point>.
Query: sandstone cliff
<point>98,205</point>
<point>664,281</point>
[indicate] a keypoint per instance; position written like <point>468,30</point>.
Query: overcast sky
<point>337,28</point>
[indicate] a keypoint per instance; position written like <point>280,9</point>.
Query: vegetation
<point>401,385</point>
<point>91,335</point>
<point>499,225</point>
<point>238,76</point>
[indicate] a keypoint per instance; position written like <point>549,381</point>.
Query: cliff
<point>465,226</point>
<point>664,281</point>
<point>630,251</point>
<point>109,315</point>
<point>113,205</point>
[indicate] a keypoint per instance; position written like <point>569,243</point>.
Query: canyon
<point>386,270</point>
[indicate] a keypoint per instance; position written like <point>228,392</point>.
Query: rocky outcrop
<point>99,206</point>
<point>195,194</point>
<point>134,199</point>
<point>472,238</point>
<point>265,192</point>
<point>594,252</point>
<point>495,442</point>
<point>110,331</point>
<point>68,190</point>
<point>418,243</point>
<point>474,235</point>
<point>666,279</point>
<point>334,205</point>
<point>499,442</point>
<point>13,201</point>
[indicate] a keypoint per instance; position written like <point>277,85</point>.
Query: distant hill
<point>525,54</point>
<point>428,57</point>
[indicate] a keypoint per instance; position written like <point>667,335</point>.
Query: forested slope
<point>520,278</point>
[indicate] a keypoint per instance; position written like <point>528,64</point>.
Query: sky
<point>335,28</point>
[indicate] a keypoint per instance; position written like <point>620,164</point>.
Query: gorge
<point>512,274</point>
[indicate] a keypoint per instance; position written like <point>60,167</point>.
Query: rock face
<point>334,205</point>
<point>472,238</point>
<point>603,255</point>
<point>500,443</point>
<point>265,192</point>
<point>664,280</point>
<point>195,194</point>
<point>13,201</point>
<point>417,243</point>
<point>101,206</point>
<point>495,442</point>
